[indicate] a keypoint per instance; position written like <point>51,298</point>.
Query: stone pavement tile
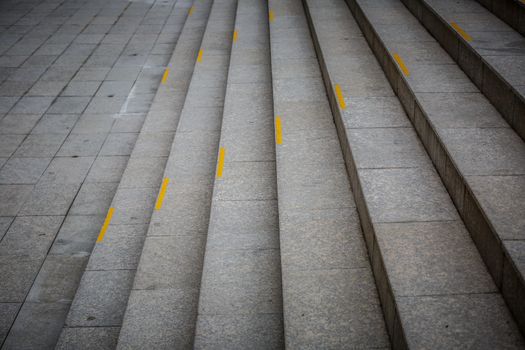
<point>510,67</point>
<point>107,169</point>
<point>77,235</point>
<point>5,222</point>
<point>67,170</point>
<point>170,262</point>
<point>310,146</point>
<point>119,144</point>
<point>37,326</point>
<point>100,299</point>
<point>81,145</point>
<point>502,198</point>
<point>9,144</point>
<point>27,74</point>
<point>12,60</point>
<point>478,319</point>
<point>493,151</point>
<point>466,110</point>
<point>50,199</point>
<point>115,88</point>
<point>69,104</point>
<point>94,198</point>
<point>321,239</point>
<point>291,68</point>
<point>243,218</point>
<point>201,118</point>
<point>120,249</point>
<point>138,103</point>
<point>387,148</point>
<point>59,73</point>
<point>247,180</point>
<point>58,279</point>
<point>123,73</point>
<point>17,273</point>
<point>32,105</point>
<point>297,90</point>
<point>6,103</point>
<point>88,338</point>
<point>133,206</point>
<point>103,105</point>
<point>91,74</point>
<point>8,312</point>
<point>18,123</point>
<point>131,122</point>
<point>94,123</point>
<point>410,194</point>
<point>306,188</point>
<point>23,170</point>
<point>369,112</point>
<point>39,61</point>
<point>149,144</point>
<point>151,310</point>
<point>40,145</point>
<point>12,197</point>
<point>14,89</point>
<point>313,307</point>
<point>143,172</point>
<point>239,331</point>
<point>81,88</point>
<point>55,124</point>
<point>431,258</point>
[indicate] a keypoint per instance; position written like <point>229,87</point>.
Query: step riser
<point>511,12</point>
<point>503,96</point>
<point>497,260</point>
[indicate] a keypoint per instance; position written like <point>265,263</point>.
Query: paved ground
<point>78,78</point>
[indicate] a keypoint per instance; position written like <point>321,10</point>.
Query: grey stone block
<point>40,145</point>
<point>32,105</point>
<point>88,338</point>
<point>93,199</point>
<point>81,145</point>
<point>397,195</point>
<point>18,123</point>
<point>120,249</point>
<point>23,170</point>
<point>118,144</point>
<point>37,326</point>
<point>170,262</point>
<point>50,199</point>
<point>67,170</point>
<point>55,124</point>
<point>12,197</point>
<point>107,169</point>
<point>332,308</point>
<point>166,316</point>
<point>478,319</point>
<point>100,299</point>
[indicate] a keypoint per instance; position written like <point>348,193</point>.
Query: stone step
<point>240,304</point>
<point>480,159</point>
<point>329,297</point>
<point>490,52</point>
<point>162,308</point>
<point>433,285</point>
<point>96,314</point>
<point>511,12</point>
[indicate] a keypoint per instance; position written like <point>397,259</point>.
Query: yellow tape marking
<point>271,15</point>
<point>165,75</point>
<point>461,32</point>
<point>191,11</point>
<point>278,130</point>
<point>402,65</point>
<point>340,97</point>
<point>235,36</point>
<point>220,166</point>
<point>162,193</point>
<point>199,57</point>
<point>105,225</point>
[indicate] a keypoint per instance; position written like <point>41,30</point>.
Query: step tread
<point>329,296</point>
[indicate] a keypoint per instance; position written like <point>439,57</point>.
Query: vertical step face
<point>329,296</point>
<point>480,159</point>
<point>162,308</point>
<point>511,12</point>
<point>86,75</point>
<point>96,314</point>
<point>490,52</point>
<point>240,305</point>
<point>433,285</point>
